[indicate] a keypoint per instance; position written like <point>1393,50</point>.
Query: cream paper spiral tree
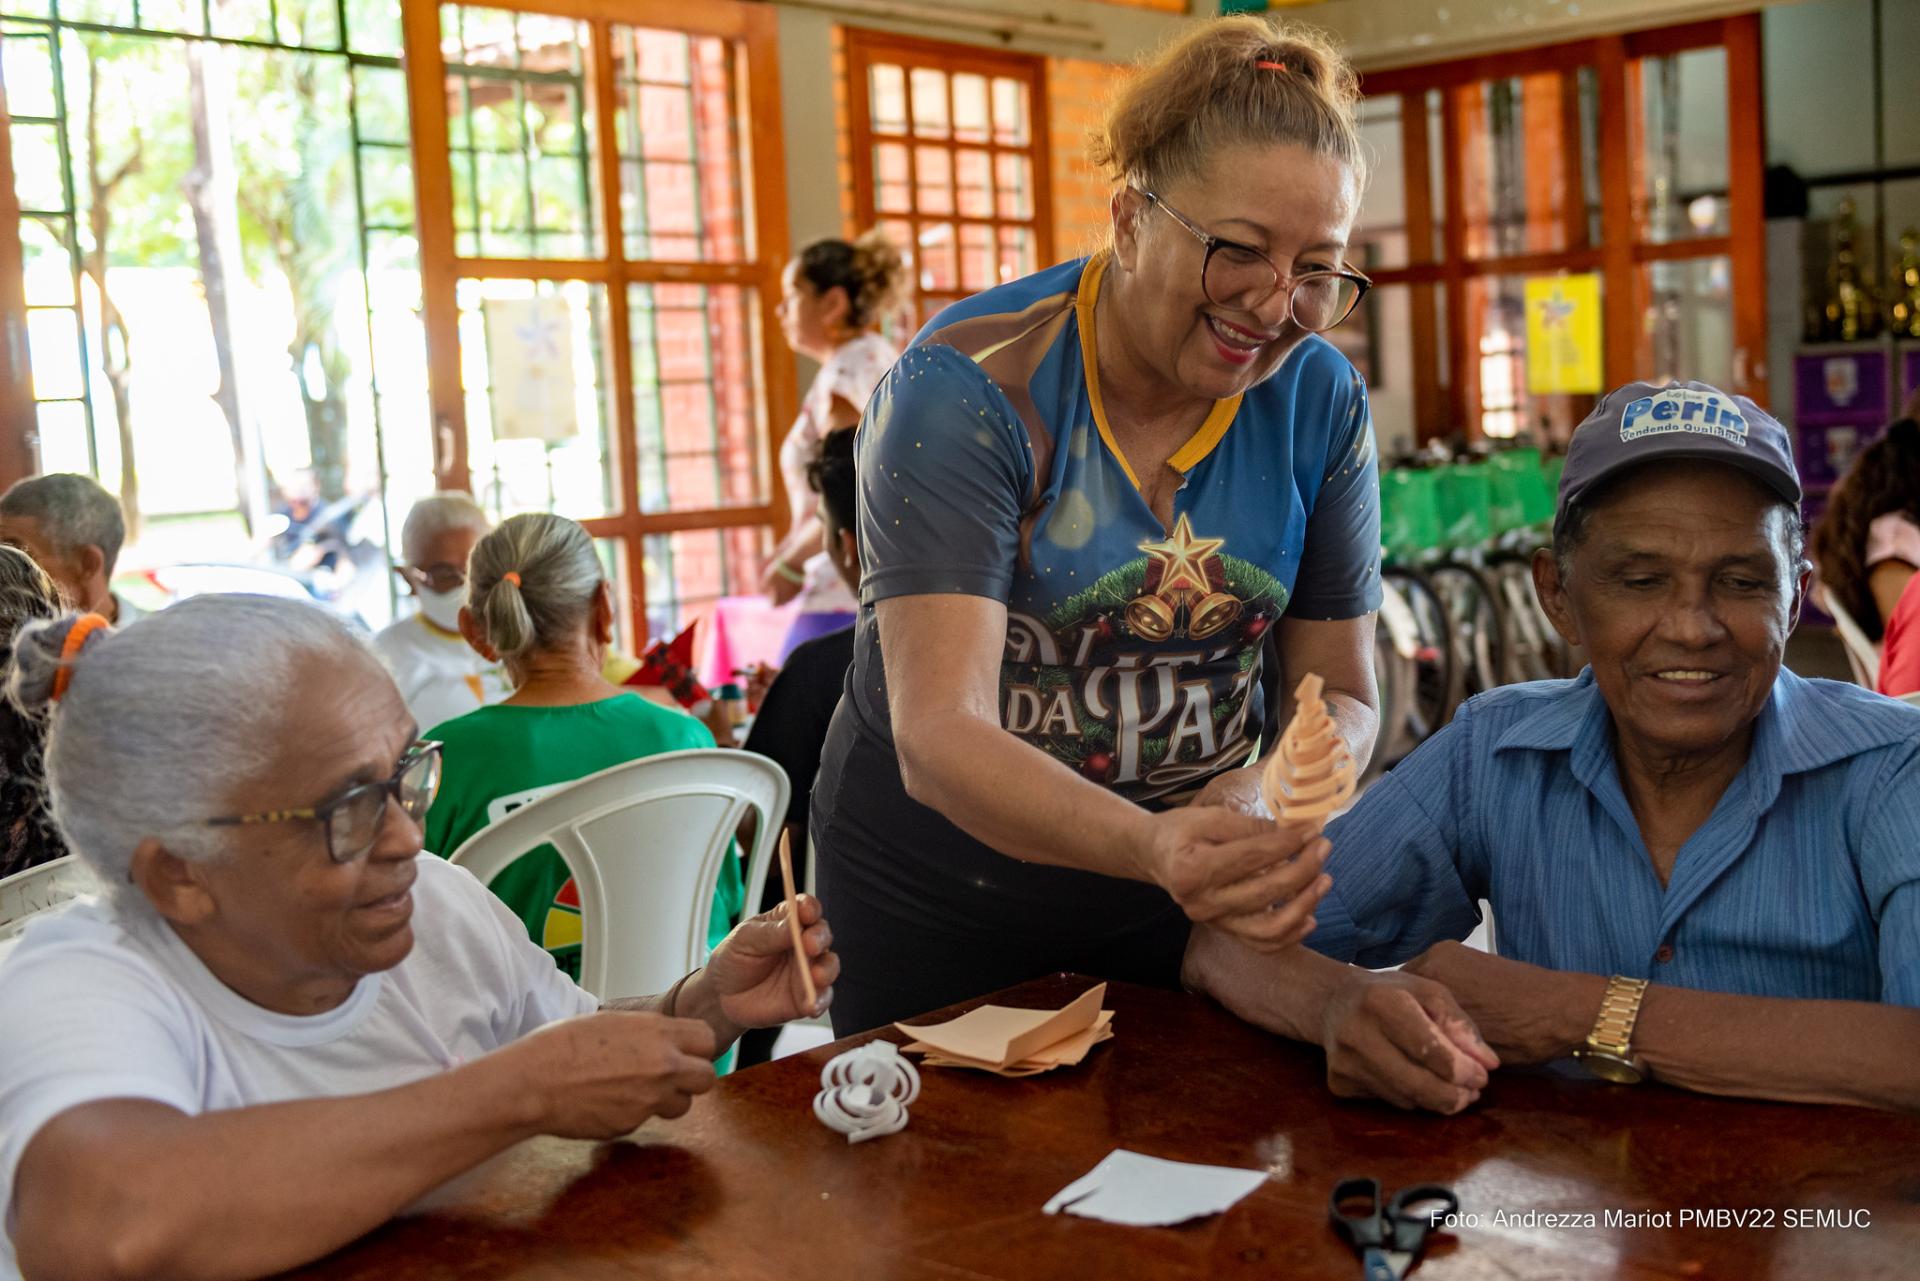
<point>1312,774</point>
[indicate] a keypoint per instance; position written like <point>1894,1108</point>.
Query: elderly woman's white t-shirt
<point>94,1005</point>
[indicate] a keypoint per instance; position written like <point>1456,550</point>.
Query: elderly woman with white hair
<point>281,1025</point>
<point>439,674</point>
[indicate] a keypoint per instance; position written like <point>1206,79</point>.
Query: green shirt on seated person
<point>500,757</point>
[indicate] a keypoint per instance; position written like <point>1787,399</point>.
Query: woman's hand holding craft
<point>1246,876</point>
<point>755,976</point>
<point>602,1075</point>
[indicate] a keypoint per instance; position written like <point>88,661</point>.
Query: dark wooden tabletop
<point>750,1185</point>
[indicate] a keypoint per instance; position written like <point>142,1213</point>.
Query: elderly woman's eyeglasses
<point>353,818</point>
<point>1242,278</point>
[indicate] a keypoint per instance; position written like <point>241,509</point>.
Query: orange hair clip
<point>1266,64</point>
<point>83,627</point>
<point>511,576</point>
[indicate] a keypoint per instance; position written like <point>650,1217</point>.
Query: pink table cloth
<point>738,632</point>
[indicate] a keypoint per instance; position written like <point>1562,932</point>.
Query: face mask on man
<point>442,609</point>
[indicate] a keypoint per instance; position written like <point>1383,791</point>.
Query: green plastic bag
<point>1409,513</point>
<point>1466,504</point>
<point>1521,494</point>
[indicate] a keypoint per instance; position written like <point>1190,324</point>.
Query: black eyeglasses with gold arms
<point>1242,278</point>
<point>353,817</point>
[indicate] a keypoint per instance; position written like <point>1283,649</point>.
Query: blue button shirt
<point>1804,882</point>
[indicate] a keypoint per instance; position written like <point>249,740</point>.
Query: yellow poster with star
<point>1563,334</point>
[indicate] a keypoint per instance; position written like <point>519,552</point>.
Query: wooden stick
<point>793,919</point>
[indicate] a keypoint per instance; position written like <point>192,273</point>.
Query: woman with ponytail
<point>1091,502</point>
<point>835,295</point>
<point>1867,546</point>
<point>538,602</point>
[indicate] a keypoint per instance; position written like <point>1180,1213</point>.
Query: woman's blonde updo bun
<point>1209,89</point>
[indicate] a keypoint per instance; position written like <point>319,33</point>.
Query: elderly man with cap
<point>1703,869</point>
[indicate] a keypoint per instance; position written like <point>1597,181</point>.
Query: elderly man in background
<point>439,674</point>
<point>73,528</point>
<point>280,1024</point>
<point>1702,868</point>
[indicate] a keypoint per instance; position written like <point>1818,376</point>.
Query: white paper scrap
<point>1146,1191</point>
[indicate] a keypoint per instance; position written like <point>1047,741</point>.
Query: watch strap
<point>1619,1011</point>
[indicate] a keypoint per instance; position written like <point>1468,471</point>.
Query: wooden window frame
<point>18,456</point>
<point>864,48</point>
<point>1621,252</point>
<point>753,30</point>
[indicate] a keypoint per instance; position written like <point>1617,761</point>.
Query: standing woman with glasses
<point>1089,498</point>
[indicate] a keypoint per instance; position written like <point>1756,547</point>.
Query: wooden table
<point>750,1185</point>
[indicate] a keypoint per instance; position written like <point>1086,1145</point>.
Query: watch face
<point>1609,1068</point>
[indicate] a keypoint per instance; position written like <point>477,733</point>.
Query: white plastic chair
<point>644,841</point>
<point>1863,656</point>
<point>25,895</point>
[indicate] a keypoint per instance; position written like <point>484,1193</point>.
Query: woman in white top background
<point>835,294</point>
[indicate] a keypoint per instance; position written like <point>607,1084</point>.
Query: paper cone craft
<point>1311,775</point>
<point>1009,1042</point>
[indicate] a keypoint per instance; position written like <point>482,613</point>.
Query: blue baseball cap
<point>1643,423</point>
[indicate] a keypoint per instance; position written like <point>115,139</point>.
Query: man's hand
<point>601,1075</point>
<point>1237,790</point>
<point>754,976</point>
<point>1246,876</point>
<point>1403,1039</point>
<point>1526,1013</point>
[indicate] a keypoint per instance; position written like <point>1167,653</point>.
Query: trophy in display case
<point>1850,312</point>
<point>1904,314</point>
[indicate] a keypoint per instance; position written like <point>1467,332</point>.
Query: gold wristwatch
<point>1608,1052</point>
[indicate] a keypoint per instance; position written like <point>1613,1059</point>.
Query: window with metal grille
<point>609,215</point>
<point>949,152</point>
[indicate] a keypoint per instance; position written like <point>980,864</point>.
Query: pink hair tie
<point>1268,65</point>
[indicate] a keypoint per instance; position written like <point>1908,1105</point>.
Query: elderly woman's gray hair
<point>73,511</point>
<point>531,583</point>
<point>159,721</point>
<point>437,514</point>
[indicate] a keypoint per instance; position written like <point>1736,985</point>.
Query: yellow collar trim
<point>1203,440</point>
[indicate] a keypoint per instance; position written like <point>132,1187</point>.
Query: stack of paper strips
<point>1311,774</point>
<point>1009,1042</point>
<point>1147,1192</point>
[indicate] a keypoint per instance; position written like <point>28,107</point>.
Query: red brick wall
<point>1077,90</point>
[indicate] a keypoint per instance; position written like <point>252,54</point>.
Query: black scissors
<point>1388,1237</point>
